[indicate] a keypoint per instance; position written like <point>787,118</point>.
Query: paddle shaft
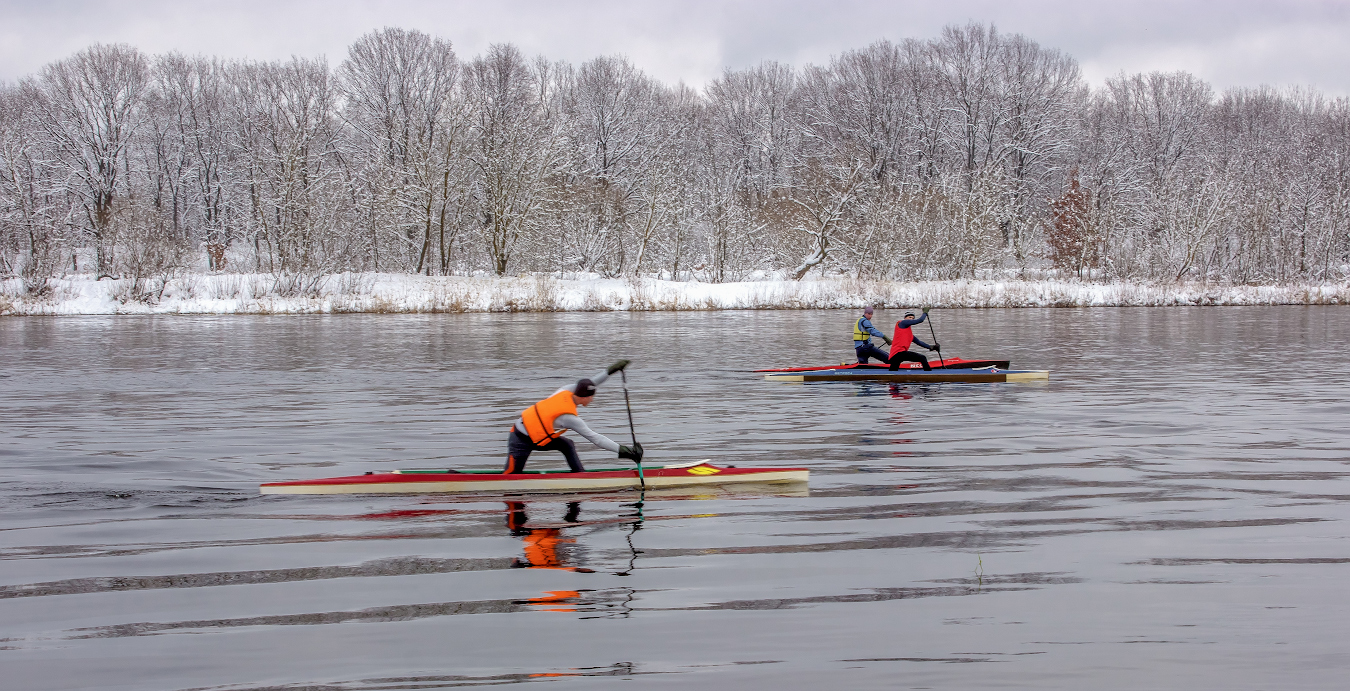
<point>935,341</point>
<point>623,376</point>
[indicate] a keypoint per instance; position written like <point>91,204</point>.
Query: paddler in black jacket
<point>863,331</point>
<point>904,335</point>
<point>542,425</point>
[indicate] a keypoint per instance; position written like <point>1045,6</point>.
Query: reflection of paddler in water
<point>541,552</point>
<point>542,425</point>
<point>541,544</point>
<point>545,548</point>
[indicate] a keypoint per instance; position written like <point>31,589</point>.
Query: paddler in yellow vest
<point>863,331</point>
<point>541,426</point>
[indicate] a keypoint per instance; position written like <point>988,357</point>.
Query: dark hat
<point>585,387</point>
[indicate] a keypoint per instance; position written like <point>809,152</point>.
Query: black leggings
<point>519,447</point>
<point>869,351</point>
<point>908,356</point>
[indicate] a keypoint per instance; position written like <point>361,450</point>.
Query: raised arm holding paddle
<point>541,426</point>
<point>904,336</point>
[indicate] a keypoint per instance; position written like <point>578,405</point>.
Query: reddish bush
<point>1070,236</point>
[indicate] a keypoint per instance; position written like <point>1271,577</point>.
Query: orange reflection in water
<point>542,552</point>
<point>556,597</point>
<point>541,544</point>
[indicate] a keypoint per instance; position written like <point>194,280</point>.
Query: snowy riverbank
<point>396,293</point>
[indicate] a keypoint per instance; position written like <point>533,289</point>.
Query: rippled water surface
<point>1169,511</point>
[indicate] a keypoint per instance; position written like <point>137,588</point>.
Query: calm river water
<point>1171,510</point>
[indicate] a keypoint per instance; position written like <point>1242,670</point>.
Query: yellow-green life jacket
<point>858,333</point>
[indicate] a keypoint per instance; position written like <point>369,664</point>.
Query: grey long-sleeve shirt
<point>575,423</point>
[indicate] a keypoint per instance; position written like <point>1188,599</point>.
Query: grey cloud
<point>1227,43</point>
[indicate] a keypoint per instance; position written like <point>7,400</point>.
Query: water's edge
<point>402,293</point>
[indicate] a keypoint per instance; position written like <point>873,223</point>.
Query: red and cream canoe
<point>449,481</point>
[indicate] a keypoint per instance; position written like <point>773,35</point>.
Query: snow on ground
<point>395,293</point>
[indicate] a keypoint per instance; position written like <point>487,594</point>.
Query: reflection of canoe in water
<point>912,376</point>
<point>933,361</point>
<point>424,481</point>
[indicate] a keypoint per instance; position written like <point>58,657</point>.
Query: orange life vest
<point>539,417</point>
<point>903,337</point>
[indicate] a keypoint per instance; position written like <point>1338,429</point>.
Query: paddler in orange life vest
<point>904,335</point>
<point>542,425</point>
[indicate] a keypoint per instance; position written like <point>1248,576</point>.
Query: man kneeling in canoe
<point>542,425</point>
<point>904,335</point>
<point>863,331</point>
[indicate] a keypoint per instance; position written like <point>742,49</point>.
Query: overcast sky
<point>1233,43</point>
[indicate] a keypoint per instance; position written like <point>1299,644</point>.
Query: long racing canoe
<point>451,481</point>
<point>934,362</point>
<point>912,376</point>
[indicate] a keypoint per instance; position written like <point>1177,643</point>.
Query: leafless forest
<point>972,154</point>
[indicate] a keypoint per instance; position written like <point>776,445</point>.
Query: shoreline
<point>382,293</point>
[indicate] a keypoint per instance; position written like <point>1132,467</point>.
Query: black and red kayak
<point>933,361</point>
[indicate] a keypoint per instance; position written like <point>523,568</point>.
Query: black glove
<point>936,348</point>
<point>616,367</point>
<point>632,453</point>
